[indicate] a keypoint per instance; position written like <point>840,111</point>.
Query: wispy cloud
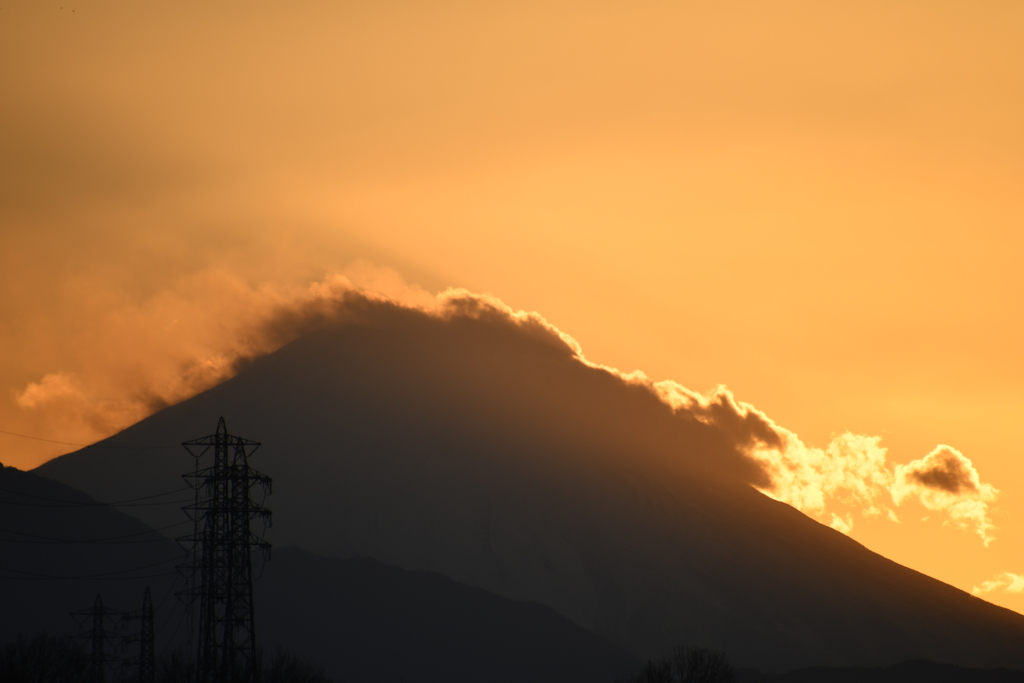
<point>1006,581</point>
<point>182,340</point>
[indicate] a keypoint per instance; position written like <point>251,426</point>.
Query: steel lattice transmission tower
<point>146,659</point>
<point>220,554</point>
<point>100,632</point>
<point>147,663</point>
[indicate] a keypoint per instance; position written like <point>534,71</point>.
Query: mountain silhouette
<point>476,444</point>
<point>59,548</point>
<point>360,619</point>
<point>367,621</point>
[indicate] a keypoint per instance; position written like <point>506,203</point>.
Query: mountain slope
<point>359,618</point>
<point>478,446</point>
<point>369,621</point>
<point>59,548</point>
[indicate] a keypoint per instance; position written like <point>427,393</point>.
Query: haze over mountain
<point>474,442</point>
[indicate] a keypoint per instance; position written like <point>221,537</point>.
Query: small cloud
<point>944,469</point>
<point>842,525</point>
<point>1007,581</point>
<point>52,386</point>
<point>946,480</point>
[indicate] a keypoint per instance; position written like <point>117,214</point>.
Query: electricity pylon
<point>101,632</point>
<point>220,563</point>
<point>147,657</point>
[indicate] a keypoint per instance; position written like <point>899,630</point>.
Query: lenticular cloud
<point>1006,581</point>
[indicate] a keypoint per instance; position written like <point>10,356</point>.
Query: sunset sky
<point>817,204</point>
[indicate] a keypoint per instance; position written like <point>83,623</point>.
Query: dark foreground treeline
<point>47,658</point>
<point>700,665</point>
<point>916,671</point>
<point>687,665</point>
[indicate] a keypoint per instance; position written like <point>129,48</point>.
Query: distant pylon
<point>99,635</point>
<point>144,637</point>
<point>220,562</point>
<point>147,663</point>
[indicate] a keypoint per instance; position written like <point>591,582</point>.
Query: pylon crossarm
<point>266,515</point>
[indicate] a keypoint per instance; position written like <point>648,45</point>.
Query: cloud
<point>188,338</point>
<point>842,524</point>
<point>851,470</point>
<point>183,339</point>
<point>745,428</point>
<point>946,480</point>
<point>1007,581</point>
<point>944,471</point>
<point>51,387</point>
<point>719,408</point>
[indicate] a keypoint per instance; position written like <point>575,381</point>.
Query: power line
<point>89,505</point>
<point>95,576</point>
<point>170,589</point>
<point>37,438</point>
<point>83,445</point>
<point>177,628</point>
<point>52,542</point>
<point>69,503</point>
<point>98,503</point>
<point>170,616</point>
<point>107,539</point>
<point>45,577</point>
<point>130,448</point>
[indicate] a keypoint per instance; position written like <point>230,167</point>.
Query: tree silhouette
<point>48,658</point>
<point>43,658</point>
<point>687,665</point>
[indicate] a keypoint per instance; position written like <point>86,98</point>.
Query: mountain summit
<point>476,443</point>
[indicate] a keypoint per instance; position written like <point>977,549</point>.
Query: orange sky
<point>816,204</point>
